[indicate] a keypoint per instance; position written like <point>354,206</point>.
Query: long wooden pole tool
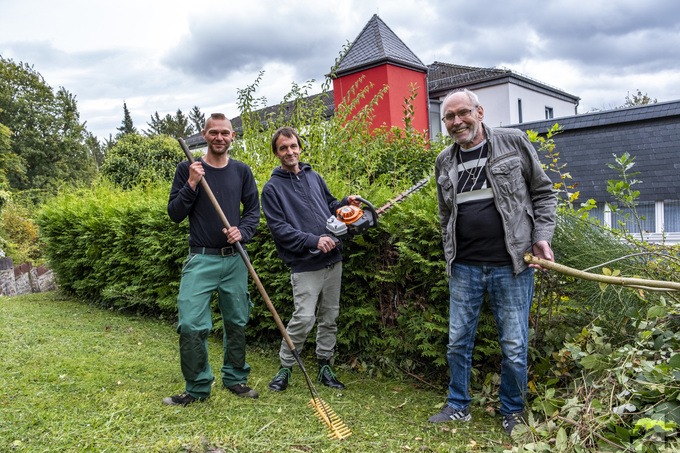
<point>651,285</point>
<point>337,428</point>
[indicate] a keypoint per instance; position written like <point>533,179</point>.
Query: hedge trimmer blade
<point>402,196</point>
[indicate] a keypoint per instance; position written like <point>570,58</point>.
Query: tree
<point>8,160</point>
<point>136,160</point>
<point>638,99</point>
<point>47,137</point>
<point>177,126</point>
<point>127,127</point>
<point>197,119</point>
<point>96,149</point>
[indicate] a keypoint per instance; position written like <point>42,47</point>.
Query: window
<point>661,221</point>
<point>519,109</point>
<point>645,210</point>
<point>435,120</point>
<point>548,113</point>
<point>671,216</point>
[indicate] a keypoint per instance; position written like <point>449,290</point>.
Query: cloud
<point>243,43</point>
<point>164,55</point>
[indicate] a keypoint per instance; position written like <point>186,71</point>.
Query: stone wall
<point>24,279</point>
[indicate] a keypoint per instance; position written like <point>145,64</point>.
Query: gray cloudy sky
<point>161,55</point>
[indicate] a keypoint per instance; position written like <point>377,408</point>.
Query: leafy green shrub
<point>136,160</point>
<point>116,248</point>
<point>19,234</point>
<point>616,398</point>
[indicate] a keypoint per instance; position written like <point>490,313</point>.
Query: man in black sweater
<point>213,263</point>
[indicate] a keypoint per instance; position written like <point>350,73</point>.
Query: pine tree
<point>126,127</point>
<point>197,118</point>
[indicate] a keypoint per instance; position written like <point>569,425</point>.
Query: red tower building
<point>379,56</point>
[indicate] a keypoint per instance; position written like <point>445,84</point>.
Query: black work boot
<point>327,377</point>
<point>280,381</point>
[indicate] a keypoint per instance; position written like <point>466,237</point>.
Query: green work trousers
<point>202,275</point>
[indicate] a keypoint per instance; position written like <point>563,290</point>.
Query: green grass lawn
<point>79,378</point>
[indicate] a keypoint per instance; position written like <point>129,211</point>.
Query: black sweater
<point>233,186</point>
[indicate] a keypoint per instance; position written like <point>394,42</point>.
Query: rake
<point>336,427</point>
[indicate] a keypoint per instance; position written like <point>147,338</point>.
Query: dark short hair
<point>286,132</point>
<point>214,116</point>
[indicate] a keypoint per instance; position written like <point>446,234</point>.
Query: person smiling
<point>495,204</point>
<point>297,204</point>
<point>213,263</point>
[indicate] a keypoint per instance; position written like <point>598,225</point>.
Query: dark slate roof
<point>650,133</point>
<point>376,45</point>
<point>445,77</point>
<point>197,141</point>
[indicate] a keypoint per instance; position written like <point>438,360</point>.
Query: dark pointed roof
<point>375,46</point>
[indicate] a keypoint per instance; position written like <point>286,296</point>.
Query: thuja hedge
<point>120,250</point>
<point>115,248</point>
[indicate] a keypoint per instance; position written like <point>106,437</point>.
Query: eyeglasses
<point>462,114</point>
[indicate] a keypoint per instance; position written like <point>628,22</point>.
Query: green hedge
<point>119,249</point>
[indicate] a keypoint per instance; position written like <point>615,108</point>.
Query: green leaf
<point>674,362</point>
<point>657,311</point>
<point>594,362</point>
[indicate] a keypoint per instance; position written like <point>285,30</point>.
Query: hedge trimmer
<point>352,220</point>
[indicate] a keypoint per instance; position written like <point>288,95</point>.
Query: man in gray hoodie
<point>297,204</point>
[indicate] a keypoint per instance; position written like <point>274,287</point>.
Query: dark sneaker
<point>280,381</point>
<point>243,391</point>
<point>179,400</point>
<point>512,420</point>
<point>449,414</point>
<point>327,377</point>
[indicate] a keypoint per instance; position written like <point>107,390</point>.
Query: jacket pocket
<point>508,176</point>
<point>446,187</point>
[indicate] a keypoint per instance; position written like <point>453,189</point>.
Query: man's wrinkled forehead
<point>223,126</point>
<point>457,100</point>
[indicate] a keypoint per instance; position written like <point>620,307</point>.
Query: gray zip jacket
<point>522,192</point>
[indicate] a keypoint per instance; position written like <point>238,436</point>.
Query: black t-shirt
<point>480,238</point>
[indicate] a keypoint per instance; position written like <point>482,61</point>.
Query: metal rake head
<point>336,426</point>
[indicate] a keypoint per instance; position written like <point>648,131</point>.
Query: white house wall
<point>501,104</point>
<point>534,105</point>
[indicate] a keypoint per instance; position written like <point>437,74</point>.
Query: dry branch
<point>653,285</point>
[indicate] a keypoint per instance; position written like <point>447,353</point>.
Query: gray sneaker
<point>448,414</point>
<point>512,420</point>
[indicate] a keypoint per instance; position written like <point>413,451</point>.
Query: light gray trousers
<point>316,296</point>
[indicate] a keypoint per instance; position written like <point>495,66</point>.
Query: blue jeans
<point>510,296</point>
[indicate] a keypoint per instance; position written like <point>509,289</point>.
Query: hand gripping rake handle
<point>325,413</point>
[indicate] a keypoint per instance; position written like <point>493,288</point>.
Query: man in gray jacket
<point>495,204</point>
